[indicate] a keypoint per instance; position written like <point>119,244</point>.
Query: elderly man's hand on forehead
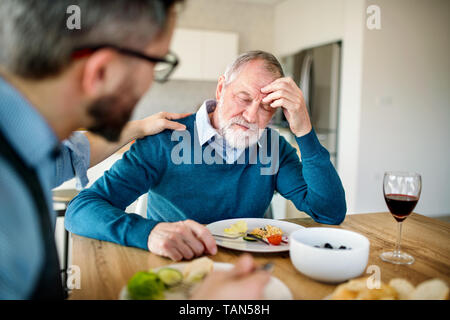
<point>284,93</point>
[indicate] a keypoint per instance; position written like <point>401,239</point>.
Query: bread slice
<point>342,293</point>
<point>357,289</point>
<point>349,290</point>
<point>398,288</point>
<point>385,292</point>
<point>197,269</point>
<point>357,284</point>
<point>434,289</point>
<point>403,287</point>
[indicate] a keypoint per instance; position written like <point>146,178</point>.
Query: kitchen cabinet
<point>204,55</point>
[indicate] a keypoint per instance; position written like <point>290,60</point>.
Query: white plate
<point>274,290</point>
<point>252,223</point>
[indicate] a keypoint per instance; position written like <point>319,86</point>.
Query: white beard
<point>233,135</point>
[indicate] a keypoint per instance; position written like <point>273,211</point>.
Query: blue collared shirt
<point>21,246</point>
<point>207,134</point>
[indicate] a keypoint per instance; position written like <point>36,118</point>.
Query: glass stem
<point>399,237</point>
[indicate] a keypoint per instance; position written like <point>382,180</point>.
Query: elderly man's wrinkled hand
<point>284,93</point>
<point>181,240</point>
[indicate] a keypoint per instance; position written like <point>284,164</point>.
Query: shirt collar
<point>24,127</point>
<point>204,128</point>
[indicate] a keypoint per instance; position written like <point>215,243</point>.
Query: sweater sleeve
<point>313,184</point>
<point>98,212</point>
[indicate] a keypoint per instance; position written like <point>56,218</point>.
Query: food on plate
<point>170,276</point>
<point>398,288</point>
<point>239,227</point>
<point>268,234</point>
<point>197,269</point>
<point>267,231</point>
<point>275,239</point>
<point>146,285</point>
<point>156,285</point>
<point>247,238</point>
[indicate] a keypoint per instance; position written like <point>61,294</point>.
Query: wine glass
<point>401,192</point>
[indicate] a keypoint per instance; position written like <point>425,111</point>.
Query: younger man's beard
<point>111,114</point>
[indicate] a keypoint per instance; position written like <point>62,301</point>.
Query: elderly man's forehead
<point>251,81</point>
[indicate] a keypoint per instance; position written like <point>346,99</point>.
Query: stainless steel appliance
<point>317,72</point>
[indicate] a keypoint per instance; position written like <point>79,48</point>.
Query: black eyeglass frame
<point>173,64</point>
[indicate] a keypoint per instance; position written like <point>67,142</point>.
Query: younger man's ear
<point>94,78</point>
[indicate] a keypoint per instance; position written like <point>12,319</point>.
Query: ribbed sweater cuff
<point>309,144</point>
<point>138,232</point>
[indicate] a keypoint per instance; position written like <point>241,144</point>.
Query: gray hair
<point>271,64</point>
<point>35,41</point>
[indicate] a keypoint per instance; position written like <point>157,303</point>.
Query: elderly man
<point>183,189</point>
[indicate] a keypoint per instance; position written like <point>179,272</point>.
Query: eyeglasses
<point>164,66</point>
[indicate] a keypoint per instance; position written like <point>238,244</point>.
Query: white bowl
<point>329,265</point>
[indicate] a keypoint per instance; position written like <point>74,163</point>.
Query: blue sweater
<point>202,192</point>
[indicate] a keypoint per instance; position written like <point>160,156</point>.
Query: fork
<point>238,235</point>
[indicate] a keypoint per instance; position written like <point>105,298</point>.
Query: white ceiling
<point>269,2</point>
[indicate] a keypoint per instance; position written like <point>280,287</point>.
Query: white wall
<point>301,24</point>
<point>254,22</point>
<point>350,100</point>
<point>395,104</point>
<point>405,109</point>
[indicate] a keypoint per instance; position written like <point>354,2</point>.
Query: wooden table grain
<point>106,267</point>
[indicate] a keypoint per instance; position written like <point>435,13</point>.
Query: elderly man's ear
<point>220,87</point>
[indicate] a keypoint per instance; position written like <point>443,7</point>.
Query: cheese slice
<point>237,228</point>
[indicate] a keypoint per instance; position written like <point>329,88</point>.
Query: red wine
<point>400,205</point>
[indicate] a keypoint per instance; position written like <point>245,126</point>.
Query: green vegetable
<point>146,286</point>
<point>197,278</point>
<point>170,276</point>
<point>249,239</point>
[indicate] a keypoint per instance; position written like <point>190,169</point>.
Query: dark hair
<point>35,41</point>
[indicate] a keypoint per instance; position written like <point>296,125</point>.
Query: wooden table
<point>106,267</point>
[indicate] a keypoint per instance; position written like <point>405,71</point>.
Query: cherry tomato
<point>275,239</point>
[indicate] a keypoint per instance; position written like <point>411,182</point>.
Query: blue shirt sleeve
<point>73,161</point>
<point>313,184</point>
<point>98,212</point>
